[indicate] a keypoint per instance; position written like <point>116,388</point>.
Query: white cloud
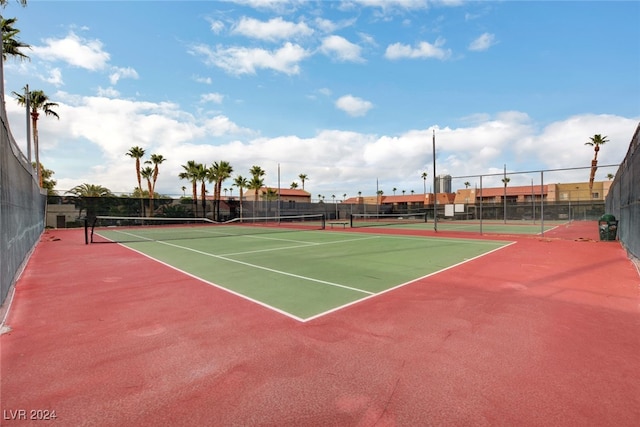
<point>353,106</point>
<point>108,92</point>
<point>388,4</point>
<point>88,143</point>
<point>273,30</point>
<point>483,42</point>
<point>216,98</point>
<point>204,80</point>
<point>341,49</point>
<point>422,50</point>
<point>216,26</point>
<point>74,50</point>
<point>242,60</point>
<point>55,77</point>
<point>122,73</point>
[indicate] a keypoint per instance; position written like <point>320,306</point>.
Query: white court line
<point>308,245</point>
<point>303,320</point>
<point>403,284</point>
<point>284,273</point>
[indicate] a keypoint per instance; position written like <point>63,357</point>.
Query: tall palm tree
<point>394,189</point>
<point>595,141</point>
<point>137,153</point>
<point>293,185</point>
<point>191,174</point>
<point>255,184</point>
<point>303,177</point>
<point>202,175</point>
<point>467,184</point>
<point>219,173</point>
<point>147,173</point>
<point>38,101</point>
<point>11,46</point>
<point>505,181</point>
<point>242,183</point>
<point>424,180</point>
<point>256,181</point>
<point>156,160</point>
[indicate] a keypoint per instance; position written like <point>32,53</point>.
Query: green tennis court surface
<point>303,274</point>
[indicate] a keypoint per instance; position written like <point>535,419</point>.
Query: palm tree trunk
<point>203,199</point>
<point>195,198</point>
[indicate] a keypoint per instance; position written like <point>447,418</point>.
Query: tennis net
<point>116,229</point>
<point>378,220</point>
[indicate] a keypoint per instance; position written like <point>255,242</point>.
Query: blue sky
<point>347,92</point>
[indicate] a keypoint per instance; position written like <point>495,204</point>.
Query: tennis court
<point>420,222</point>
<point>301,272</point>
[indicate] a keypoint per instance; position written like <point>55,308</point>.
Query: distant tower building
<point>443,184</point>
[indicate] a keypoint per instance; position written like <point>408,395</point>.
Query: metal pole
<point>480,204</point>
<point>542,203</point>
<point>435,191</point>
<point>504,201</point>
<point>533,203</point>
<point>27,98</point>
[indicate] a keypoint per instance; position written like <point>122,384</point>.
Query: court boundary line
<point>259,267</point>
<point>335,309</point>
<point>406,283</point>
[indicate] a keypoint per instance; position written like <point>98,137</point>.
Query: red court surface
<point>545,332</point>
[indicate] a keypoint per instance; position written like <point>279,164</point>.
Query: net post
<point>324,222</point>
<point>86,231</point>
<point>351,220</point>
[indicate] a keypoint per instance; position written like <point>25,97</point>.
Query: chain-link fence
<point>22,208</point>
<point>623,200</point>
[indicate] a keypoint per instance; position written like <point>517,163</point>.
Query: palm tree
<point>156,159</point>
<point>505,181</point>
<point>38,101</point>
<point>10,44</point>
<point>219,173</point>
<point>303,177</point>
<point>255,184</point>
<point>394,190</point>
<point>256,181</point>
<point>610,176</point>
<point>184,189</point>
<point>242,183</point>
<point>467,184</point>
<point>49,183</point>
<point>87,194</point>
<point>595,141</point>
<point>147,173</point>
<point>90,190</point>
<point>137,153</point>
<point>202,175</point>
<point>424,180</point>
<point>293,185</point>
<point>190,174</point>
